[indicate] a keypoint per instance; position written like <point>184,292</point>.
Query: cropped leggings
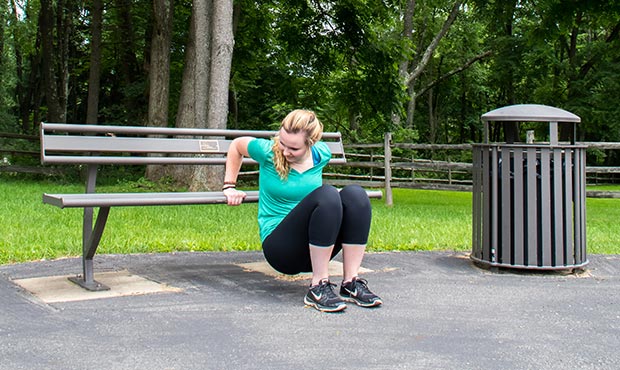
<point>323,218</point>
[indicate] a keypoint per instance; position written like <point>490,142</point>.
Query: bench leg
<point>90,244</point>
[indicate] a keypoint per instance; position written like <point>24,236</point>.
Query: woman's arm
<point>234,158</point>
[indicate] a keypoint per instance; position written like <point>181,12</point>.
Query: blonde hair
<point>295,122</point>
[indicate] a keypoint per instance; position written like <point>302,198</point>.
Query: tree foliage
<point>343,59</point>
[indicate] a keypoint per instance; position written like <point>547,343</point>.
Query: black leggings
<point>323,218</point>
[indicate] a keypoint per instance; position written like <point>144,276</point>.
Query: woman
<point>303,223</point>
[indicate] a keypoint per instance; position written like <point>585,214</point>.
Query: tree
<point>334,57</point>
<point>363,65</point>
<point>561,54</point>
<point>55,28</point>
<point>222,43</point>
<point>453,84</point>
<point>204,93</point>
<point>502,17</point>
<point>588,64</point>
<point>192,110</point>
<point>159,71</point>
<point>159,63</point>
<point>412,67</point>
<point>7,73</point>
<point>95,62</point>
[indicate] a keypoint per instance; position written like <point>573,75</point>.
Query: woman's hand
<point>233,196</point>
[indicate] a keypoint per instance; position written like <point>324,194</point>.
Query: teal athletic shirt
<point>277,197</point>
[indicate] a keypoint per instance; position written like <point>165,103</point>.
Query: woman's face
<point>293,146</point>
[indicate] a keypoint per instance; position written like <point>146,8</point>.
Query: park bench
<point>96,145</point>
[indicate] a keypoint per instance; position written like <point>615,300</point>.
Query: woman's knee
<point>328,190</point>
<point>355,197</point>
<point>328,195</point>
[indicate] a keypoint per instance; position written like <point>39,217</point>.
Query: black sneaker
<point>323,298</point>
<point>357,292</point>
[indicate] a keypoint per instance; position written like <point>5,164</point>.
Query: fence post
<point>412,169</point>
<point>372,159</point>
<point>388,168</point>
<point>449,171</point>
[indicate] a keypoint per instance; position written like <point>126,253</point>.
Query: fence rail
<point>441,173</point>
<point>18,151</point>
<point>405,165</point>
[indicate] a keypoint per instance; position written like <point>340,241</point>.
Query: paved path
<point>440,312</point>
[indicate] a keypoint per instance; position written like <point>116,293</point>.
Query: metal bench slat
<point>139,199</point>
<point>56,149</point>
<point>150,130</point>
<point>88,144</point>
<point>150,199</point>
<point>65,143</point>
<point>120,160</point>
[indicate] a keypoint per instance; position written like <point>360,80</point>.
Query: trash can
<point>529,197</point>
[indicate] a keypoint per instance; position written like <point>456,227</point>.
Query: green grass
<point>419,220</point>
<point>422,220</point>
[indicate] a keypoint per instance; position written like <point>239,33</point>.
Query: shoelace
<point>327,287</point>
<point>361,285</point>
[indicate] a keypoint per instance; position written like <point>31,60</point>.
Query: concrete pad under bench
<point>54,289</point>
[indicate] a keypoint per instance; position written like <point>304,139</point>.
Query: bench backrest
<point>104,144</point>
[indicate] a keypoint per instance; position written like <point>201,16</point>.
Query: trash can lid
<point>530,113</point>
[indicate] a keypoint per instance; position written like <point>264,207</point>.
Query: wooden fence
<point>404,165</point>
<point>371,164</point>
<point>21,146</point>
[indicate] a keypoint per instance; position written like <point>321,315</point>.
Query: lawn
<point>419,220</point>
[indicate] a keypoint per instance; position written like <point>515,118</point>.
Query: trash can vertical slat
<point>532,208</point>
<point>506,242</point>
<point>558,208</point>
<point>582,206</point>
<point>519,230</point>
<point>546,248</point>
<point>486,206</point>
<point>568,207</point>
<point>580,201</point>
<point>494,201</point>
<point>477,199</point>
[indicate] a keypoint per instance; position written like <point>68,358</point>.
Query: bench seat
<point>150,199</point>
<point>139,199</point>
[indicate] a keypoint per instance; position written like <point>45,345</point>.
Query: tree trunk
<point>403,66</point>
<point>432,119</point>
<point>221,61</point>
<point>159,72</point>
<point>54,67</point>
<point>204,95</point>
<point>411,107</point>
<point>159,66</point>
<point>64,21</point>
<point>192,112</point>
<point>20,89</point>
<point>2,30</point>
<point>412,77</point>
<point>129,63</point>
<point>95,62</point>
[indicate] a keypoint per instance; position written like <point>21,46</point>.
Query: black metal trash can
<point>529,198</point>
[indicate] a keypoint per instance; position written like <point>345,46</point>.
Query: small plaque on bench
<point>209,146</point>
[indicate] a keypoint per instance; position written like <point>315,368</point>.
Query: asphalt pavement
<point>440,312</point>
